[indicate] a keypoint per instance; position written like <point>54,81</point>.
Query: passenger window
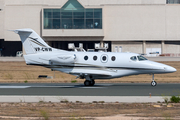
<point>104,58</point>
<point>95,58</point>
<point>113,58</point>
<point>141,58</point>
<point>133,58</point>
<point>85,57</point>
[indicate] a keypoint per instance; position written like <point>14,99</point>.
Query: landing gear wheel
<point>153,83</point>
<point>92,82</point>
<point>87,83</point>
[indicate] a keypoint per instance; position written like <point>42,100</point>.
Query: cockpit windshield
<point>134,58</point>
<point>141,58</point>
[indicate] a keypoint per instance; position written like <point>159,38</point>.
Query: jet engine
<point>63,59</point>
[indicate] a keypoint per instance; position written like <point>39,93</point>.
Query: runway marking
<point>91,87</point>
<point>54,86</point>
<point>105,84</point>
<point>15,86</point>
<point>23,87</point>
<point>66,87</point>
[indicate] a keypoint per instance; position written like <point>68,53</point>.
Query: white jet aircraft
<point>88,65</point>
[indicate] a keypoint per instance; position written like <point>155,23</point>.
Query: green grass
<point>44,114</point>
<point>25,81</point>
<point>175,99</point>
<point>73,81</point>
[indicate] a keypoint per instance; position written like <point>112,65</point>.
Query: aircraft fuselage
<point>109,64</point>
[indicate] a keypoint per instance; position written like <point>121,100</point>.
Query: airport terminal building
<point>139,26</point>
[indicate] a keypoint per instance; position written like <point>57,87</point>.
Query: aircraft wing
<point>92,73</point>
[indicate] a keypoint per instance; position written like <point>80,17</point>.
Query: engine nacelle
<point>64,59</point>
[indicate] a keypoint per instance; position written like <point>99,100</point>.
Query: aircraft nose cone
<point>170,69</point>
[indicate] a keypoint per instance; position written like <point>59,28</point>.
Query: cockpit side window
<point>141,58</point>
<point>134,58</point>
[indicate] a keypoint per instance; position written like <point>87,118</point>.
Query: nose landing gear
<point>153,83</point>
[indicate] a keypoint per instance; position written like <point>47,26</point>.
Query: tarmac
<point>72,92</point>
<point>99,89</point>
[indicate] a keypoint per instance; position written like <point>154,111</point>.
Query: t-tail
<point>32,42</point>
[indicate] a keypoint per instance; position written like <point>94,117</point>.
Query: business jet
<point>87,65</point>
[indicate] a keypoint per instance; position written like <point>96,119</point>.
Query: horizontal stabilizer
<point>22,30</point>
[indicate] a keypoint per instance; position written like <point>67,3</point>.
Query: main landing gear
<point>89,82</point>
<point>153,83</point>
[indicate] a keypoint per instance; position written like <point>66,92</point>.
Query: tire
<point>87,83</point>
<point>92,83</point>
<point>153,83</point>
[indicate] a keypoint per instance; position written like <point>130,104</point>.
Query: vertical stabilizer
<point>32,42</point>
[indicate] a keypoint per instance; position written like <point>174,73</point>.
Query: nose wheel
<point>153,83</point>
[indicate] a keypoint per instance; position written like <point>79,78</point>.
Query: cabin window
<point>104,58</point>
<point>113,58</point>
<point>85,57</point>
<point>133,58</point>
<point>95,58</point>
<point>141,58</point>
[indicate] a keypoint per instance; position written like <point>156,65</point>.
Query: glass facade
<point>173,1</point>
<point>73,18</point>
